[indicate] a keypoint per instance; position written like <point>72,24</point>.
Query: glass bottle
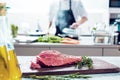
<point>13,66</point>
<point>4,70</point>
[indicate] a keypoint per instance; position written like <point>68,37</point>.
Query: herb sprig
<point>58,77</point>
<point>86,62</point>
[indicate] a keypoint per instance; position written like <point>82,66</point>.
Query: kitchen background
<point>28,14</point>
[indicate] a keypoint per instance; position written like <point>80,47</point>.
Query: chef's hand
<point>74,25</point>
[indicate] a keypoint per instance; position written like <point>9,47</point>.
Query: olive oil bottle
<point>14,71</point>
<point>4,71</point>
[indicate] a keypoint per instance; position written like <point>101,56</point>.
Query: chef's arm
<point>50,23</point>
<point>83,19</point>
<point>79,22</point>
<point>49,26</point>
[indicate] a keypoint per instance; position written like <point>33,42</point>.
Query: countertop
<point>84,42</point>
<point>110,76</point>
<point>86,47</point>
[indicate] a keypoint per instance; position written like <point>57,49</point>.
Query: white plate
<point>25,39</point>
<point>69,31</point>
<point>36,33</point>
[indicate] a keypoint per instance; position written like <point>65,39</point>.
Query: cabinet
<point>79,51</point>
<point>111,51</point>
<point>32,50</point>
<point>29,50</point>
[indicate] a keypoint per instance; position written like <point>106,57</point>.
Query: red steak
<point>35,66</point>
<point>52,58</point>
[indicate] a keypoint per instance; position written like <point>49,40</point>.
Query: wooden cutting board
<point>99,66</point>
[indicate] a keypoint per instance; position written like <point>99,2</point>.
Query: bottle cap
<point>2,9</point>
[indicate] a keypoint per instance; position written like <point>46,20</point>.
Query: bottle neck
<point>6,33</point>
<point>2,35</point>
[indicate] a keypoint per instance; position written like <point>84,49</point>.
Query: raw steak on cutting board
<point>53,58</point>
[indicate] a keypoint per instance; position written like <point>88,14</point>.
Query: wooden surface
<point>99,66</point>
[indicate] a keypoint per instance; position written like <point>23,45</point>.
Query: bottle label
<point>10,46</point>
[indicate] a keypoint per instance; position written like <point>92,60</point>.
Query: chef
<point>65,14</point>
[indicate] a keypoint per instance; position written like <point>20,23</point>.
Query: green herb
<point>50,39</point>
<point>58,77</point>
<point>14,30</point>
<point>94,28</point>
<point>76,75</point>
<point>86,61</point>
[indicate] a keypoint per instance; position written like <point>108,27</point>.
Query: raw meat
<point>35,66</point>
<point>53,58</point>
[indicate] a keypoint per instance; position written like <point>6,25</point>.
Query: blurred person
<point>66,14</point>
